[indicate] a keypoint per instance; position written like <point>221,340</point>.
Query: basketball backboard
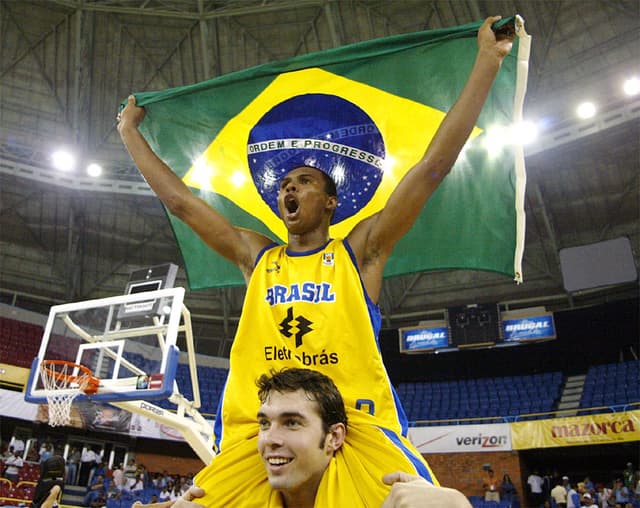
<point>134,354</point>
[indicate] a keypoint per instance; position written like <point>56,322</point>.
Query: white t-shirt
<point>535,482</point>
<point>570,496</point>
<point>13,464</point>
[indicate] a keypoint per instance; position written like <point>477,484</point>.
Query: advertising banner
<point>575,431</point>
<point>529,328</point>
<point>428,336</point>
<point>462,438</point>
<point>89,416</point>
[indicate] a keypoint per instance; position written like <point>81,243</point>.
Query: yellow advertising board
<point>606,428</point>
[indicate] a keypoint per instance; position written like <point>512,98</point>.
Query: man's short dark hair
<point>52,468</point>
<point>317,386</point>
<point>329,185</point>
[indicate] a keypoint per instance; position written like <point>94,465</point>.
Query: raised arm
<point>374,238</point>
<point>239,246</point>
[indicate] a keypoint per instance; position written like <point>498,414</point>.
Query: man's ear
<point>332,203</point>
<point>335,437</point>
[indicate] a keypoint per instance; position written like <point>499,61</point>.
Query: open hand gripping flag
<point>363,113</point>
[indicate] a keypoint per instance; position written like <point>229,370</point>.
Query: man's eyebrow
<point>286,414</point>
<point>292,414</point>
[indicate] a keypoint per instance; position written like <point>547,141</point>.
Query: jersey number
<point>368,403</point>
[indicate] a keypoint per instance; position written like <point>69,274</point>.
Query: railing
<point>556,413</point>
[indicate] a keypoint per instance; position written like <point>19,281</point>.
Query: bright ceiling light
<point>202,173</point>
<point>94,169</point>
<point>586,110</point>
<point>496,138</point>
<point>632,86</point>
<point>525,133</point>
<point>63,160</point>
<point>238,178</point>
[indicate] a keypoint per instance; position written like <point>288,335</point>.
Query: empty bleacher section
<point>484,400</point>
<point>19,493</point>
<point>211,382</point>
<point>19,342</point>
<point>610,386</point>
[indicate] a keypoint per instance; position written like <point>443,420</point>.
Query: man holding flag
<point>312,303</point>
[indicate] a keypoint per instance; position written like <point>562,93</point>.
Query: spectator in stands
<point>113,492</point>
<point>621,492</point>
<point>99,501</point>
<point>138,486</point>
<point>491,486</point>
<point>628,476</point>
<point>88,459</point>
<point>587,501</point>
<point>165,494</point>
<point>46,451</point>
<point>534,481</point>
<point>589,486</point>
<point>559,495</point>
<point>175,493</point>
<point>13,463</point>
<point>141,469</point>
<point>73,460</point>
<point>184,485</point>
<point>18,445</point>
<point>99,469</point>
<point>118,478</point>
<point>565,483</point>
<point>164,479</point>
<point>508,489</point>
<point>130,471</point>
<point>97,485</point>
<point>573,498</point>
<point>32,455</point>
<point>605,495</point>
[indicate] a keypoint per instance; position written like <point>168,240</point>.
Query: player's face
<point>294,448</point>
<point>302,199</point>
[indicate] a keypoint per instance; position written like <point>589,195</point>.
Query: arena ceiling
<point>66,64</point>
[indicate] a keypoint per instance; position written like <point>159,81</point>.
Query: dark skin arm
<point>373,239</point>
<point>238,245</point>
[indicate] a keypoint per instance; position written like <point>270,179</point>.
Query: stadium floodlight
<point>94,169</point>
<point>63,160</point>
<point>632,86</point>
<point>586,110</point>
<point>525,132</point>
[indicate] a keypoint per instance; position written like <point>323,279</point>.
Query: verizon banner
<point>462,438</point>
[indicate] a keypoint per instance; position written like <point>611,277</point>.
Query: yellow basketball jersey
<point>310,310</point>
<point>307,310</point>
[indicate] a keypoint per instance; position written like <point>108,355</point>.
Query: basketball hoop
<point>63,382</point>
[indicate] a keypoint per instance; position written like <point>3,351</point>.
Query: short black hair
<point>329,184</point>
<point>52,468</point>
<point>316,385</point>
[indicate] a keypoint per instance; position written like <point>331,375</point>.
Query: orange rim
<point>92,382</point>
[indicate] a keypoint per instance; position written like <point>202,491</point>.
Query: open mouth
<point>291,204</point>
<point>277,464</point>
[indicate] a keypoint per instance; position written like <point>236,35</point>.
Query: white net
<point>62,388</point>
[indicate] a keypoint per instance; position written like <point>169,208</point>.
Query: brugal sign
<point>428,336</point>
<point>528,325</point>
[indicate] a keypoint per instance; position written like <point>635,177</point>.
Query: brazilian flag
<point>364,113</point>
